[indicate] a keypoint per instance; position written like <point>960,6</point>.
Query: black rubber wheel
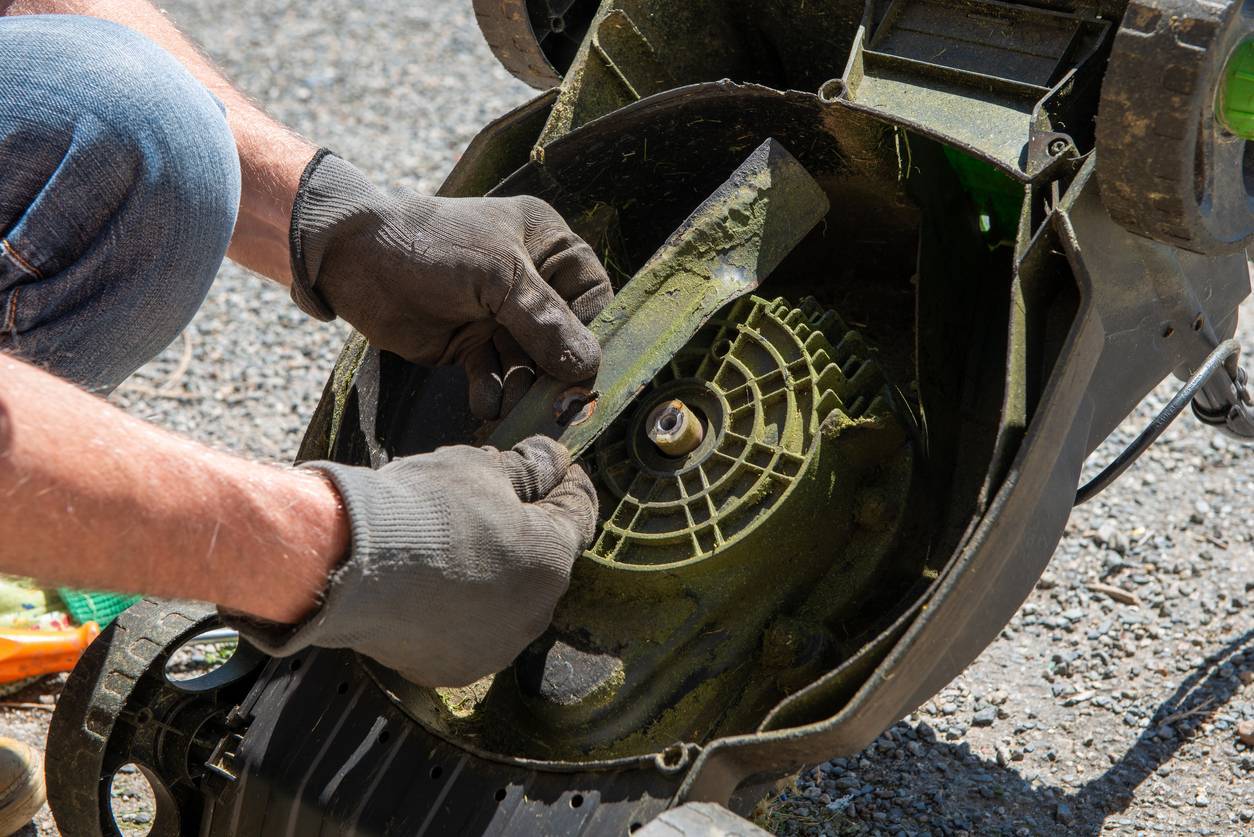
<point>119,707</point>
<point>535,40</point>
<point>1166,167</point>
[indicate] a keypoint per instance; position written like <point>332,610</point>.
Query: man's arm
<point>271,156</point>
<point>92,497</point>
<point>443,566</point>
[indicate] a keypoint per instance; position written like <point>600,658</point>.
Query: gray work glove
<point>496,285</point>
<point>458,558</point>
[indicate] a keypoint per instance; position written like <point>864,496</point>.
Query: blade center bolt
<point>674,428</point>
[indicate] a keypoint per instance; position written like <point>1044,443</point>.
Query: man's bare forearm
<point>271,156</point>
<point>92,497</point>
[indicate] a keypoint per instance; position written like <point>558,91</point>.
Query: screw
<point>1057,146</point>
<point>575,406</point>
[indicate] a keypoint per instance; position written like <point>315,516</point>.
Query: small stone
<point>1107,535</point>
<point>985,717</point>
<point>1111,561</point>
<point>1245,732</point>
<point>1064,814</point>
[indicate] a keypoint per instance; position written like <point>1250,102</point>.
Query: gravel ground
<point>1088,714</point>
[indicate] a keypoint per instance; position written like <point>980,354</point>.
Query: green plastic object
<point>1235,108</point>
<point>768,378</point>
<point>998,198</point>
<point>101,608</point>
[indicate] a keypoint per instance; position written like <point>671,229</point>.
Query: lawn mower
<point>887,273</point>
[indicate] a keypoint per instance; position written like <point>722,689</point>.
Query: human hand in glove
<point>496,285</point>
<point>458,558</point>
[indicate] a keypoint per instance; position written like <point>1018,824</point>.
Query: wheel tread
<point>95,696</point>
<point>506,28</point>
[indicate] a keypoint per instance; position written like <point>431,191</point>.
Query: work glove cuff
<point>333,194</point>
<point>388,524</point>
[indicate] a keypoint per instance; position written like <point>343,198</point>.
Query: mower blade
<point>724,250</point>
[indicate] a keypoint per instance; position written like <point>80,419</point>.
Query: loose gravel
<point>1113,702</point>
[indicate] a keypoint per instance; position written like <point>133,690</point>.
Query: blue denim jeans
<point>119,186</point>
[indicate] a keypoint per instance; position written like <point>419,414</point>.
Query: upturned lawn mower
<point>886,274</point>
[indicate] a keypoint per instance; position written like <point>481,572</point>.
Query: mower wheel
<point>1168,167</point>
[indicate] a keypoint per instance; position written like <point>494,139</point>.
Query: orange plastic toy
<point>30,653</point>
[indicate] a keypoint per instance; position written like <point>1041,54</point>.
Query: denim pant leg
<point>119,186</point>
